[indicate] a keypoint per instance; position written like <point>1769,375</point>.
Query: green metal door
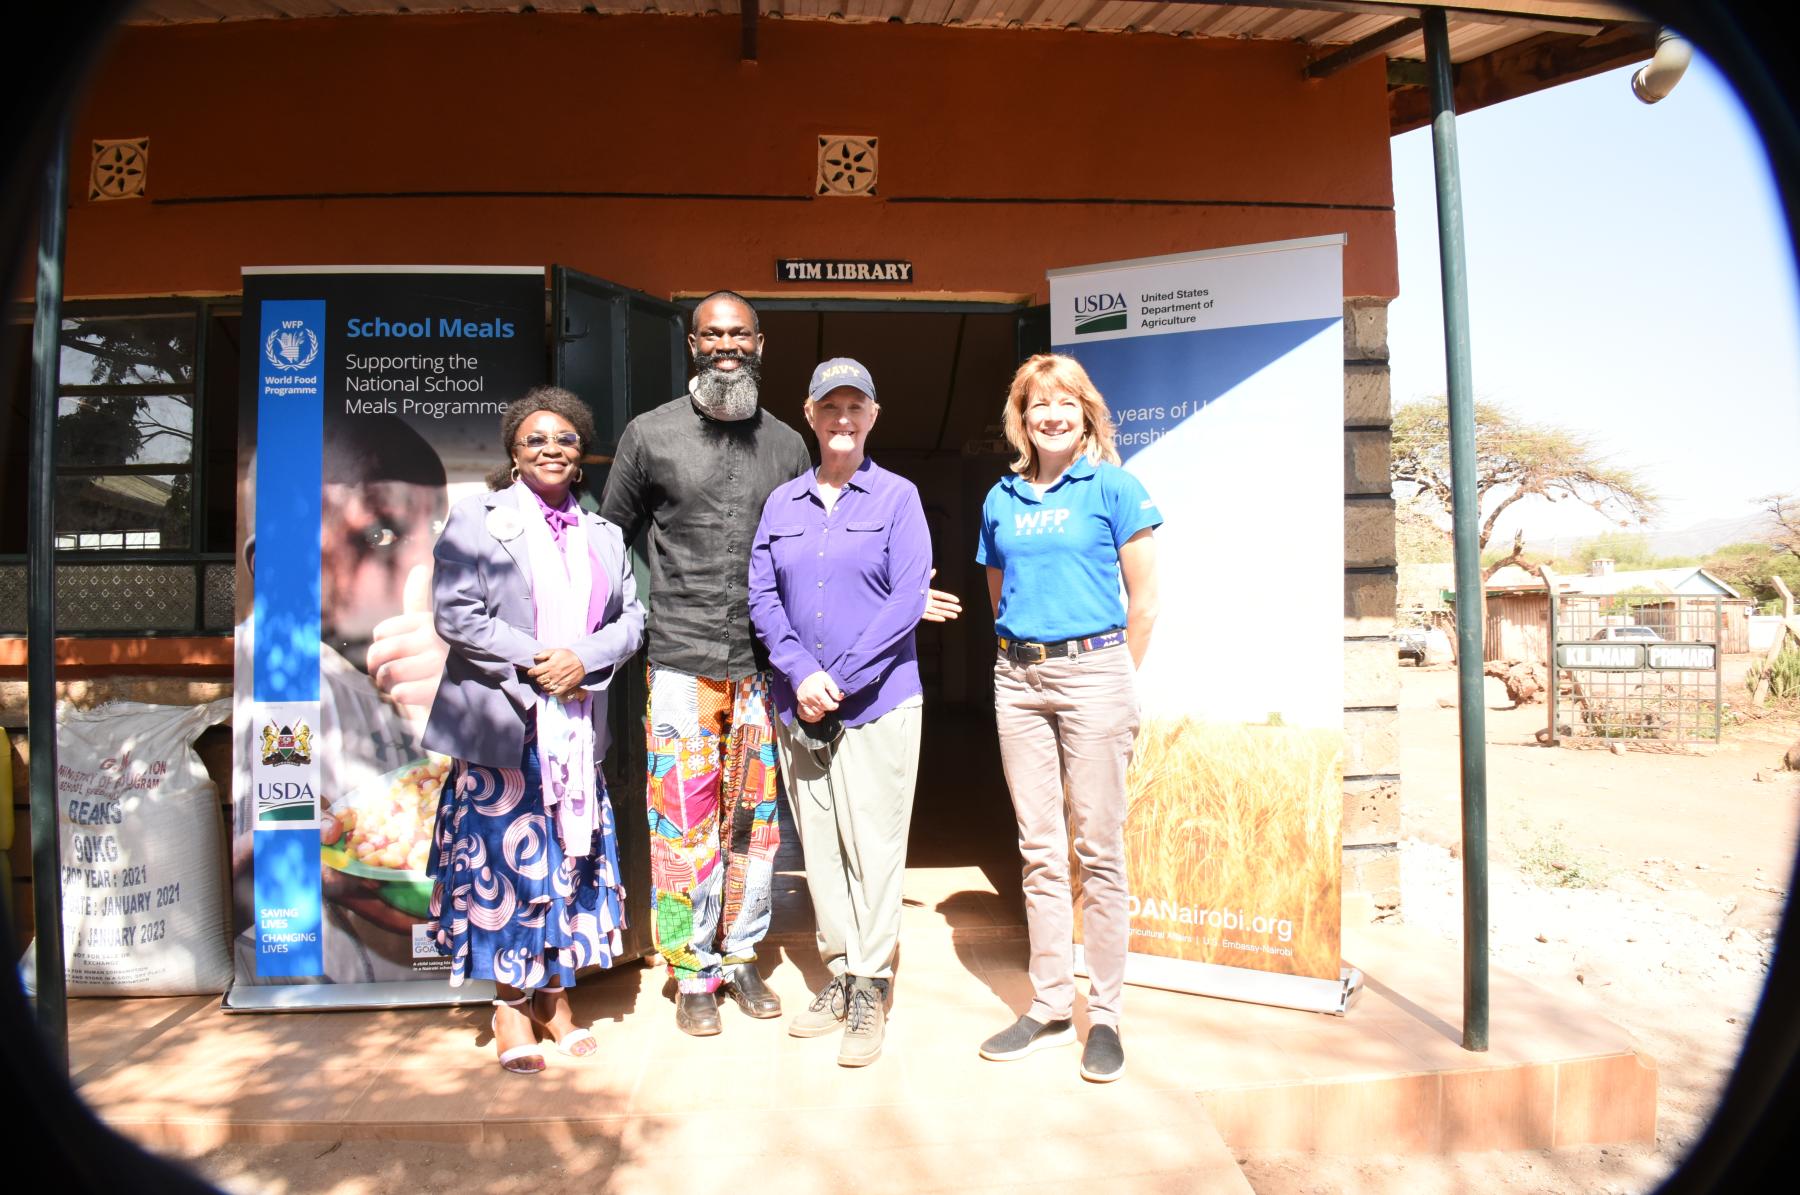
<point>1032,334</point>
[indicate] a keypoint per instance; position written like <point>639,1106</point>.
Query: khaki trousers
<point>1067,725</point>
<point>852,812</point>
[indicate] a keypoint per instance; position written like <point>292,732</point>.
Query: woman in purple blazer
<point>536,600</point>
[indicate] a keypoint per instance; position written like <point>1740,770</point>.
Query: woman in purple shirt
<point>838,574</point>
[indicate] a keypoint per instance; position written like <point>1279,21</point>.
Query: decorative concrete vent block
<point>119,169</point>
<point>847,165</point>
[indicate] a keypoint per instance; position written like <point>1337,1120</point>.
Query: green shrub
<point>1546,857</point>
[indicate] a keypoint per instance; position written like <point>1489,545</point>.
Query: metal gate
<point>1636,666</point>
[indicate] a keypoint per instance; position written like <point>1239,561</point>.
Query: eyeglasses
<point>538,441</point>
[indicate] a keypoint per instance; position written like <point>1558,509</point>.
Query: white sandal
<point>519,1059</point>
<point>569,1041</point>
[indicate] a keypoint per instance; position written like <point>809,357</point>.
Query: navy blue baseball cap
<point>840,371</point>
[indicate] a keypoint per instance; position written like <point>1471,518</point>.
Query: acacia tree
<point>1750,568</point>
<point>1514,460</point>
<point>1784,511</point>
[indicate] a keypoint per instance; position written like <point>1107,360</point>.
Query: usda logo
<point>1100,313</point>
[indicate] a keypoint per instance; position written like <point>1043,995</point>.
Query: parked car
<point>1411,643</point>
<point>1631,634</point>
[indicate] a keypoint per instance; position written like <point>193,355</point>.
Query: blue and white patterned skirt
<point>507,904</point>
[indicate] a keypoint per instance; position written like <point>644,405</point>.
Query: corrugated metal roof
<point>1472,33</point>
<point>1689,579</point>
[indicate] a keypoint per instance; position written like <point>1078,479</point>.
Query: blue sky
<point>1630,277</point>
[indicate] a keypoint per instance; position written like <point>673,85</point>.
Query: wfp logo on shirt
<point>1039,522</point>
<point>1099,313</point>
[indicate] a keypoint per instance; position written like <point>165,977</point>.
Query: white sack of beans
<point>143,853</point>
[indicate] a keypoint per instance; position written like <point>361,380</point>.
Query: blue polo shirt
<point>1060,552</point>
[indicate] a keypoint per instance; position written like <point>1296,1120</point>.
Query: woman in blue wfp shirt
<point>838,573</point>
<point>1057,537</point>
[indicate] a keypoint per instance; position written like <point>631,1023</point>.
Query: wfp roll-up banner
<point>1224,374</point>
<point>370,401</point>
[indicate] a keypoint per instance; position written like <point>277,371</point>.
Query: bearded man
<point>693,474</point>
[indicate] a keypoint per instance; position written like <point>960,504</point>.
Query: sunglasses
<point>538,440</point>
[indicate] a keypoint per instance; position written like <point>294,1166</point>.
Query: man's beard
<point>727,394</point>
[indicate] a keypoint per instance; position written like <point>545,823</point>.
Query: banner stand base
<point>1352,978</point>
<point>355,997</point>
<point>1333,997</point>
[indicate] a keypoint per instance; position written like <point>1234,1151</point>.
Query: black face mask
<point>821,736</point>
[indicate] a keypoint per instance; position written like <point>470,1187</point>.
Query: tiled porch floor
<point>930,1115</point>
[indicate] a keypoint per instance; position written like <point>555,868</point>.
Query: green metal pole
<point>1471,710</point>
<point>40,618</point>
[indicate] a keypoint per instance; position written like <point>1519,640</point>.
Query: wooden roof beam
<point>1524,14</point>
<point>1523,68</point>
<point>1378,42</point>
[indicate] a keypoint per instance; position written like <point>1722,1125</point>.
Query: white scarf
<point>561,582</point>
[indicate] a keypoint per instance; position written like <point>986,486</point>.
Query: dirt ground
<point>1646,886</point>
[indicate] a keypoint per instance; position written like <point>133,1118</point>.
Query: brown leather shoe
<point>751,994</point>
<point>697,1013</point>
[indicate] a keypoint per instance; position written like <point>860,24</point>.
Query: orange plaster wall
<point>607,121</point>
<point>209,655</point>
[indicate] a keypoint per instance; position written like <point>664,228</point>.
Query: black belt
<point>1021,652</point>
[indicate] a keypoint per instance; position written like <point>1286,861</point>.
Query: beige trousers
<point>852,812</point>
<point>1067,725</point>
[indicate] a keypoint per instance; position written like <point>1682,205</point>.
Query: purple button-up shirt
<point>842,591</point>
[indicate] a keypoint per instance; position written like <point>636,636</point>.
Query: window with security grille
<point>146,419</point>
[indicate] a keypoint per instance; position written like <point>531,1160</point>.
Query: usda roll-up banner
<point>370,401</point>
<point>1224,373</point>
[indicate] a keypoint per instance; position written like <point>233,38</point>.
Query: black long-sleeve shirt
<point>697,486</point>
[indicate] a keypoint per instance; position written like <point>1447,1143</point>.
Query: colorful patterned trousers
<point>713,827</point>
